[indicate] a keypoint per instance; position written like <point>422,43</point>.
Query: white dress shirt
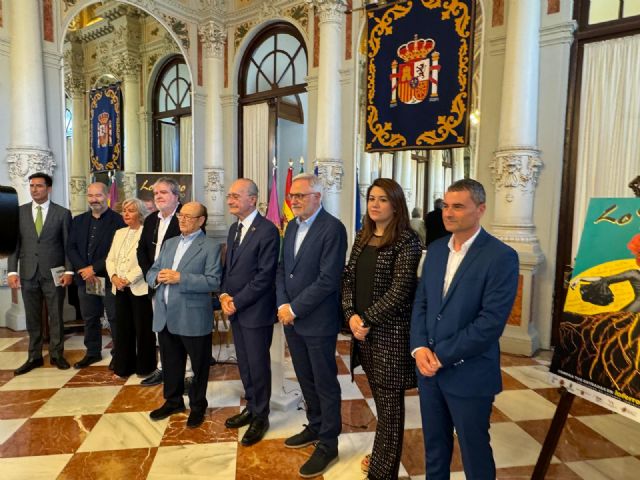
<point>163,225</point>
<point>183,246</point>
<point>246,223</point>
<point>455,259</point>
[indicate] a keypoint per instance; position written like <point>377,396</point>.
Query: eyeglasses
<point>185,216</point>
<point>299,196</point>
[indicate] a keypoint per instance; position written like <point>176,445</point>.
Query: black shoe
<point>188,381</point>
<point>111,364</point>
<point>321,459</point>
<point>240,420</point>
<point>195,419</point>
<point>28,366</point>
<point>257,429</point>
<point>87,360</point>
<point>302,439</point>
<point>59,362</point>
<point>165,411</point>
<point>212,362</point>
<point>154,379</point>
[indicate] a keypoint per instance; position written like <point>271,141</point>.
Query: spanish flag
<point>287,213</point>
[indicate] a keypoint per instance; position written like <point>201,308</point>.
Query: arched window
<point>273,98</point>
<point>172,117</point>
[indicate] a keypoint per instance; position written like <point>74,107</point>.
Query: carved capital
<point>329,11</point>
<point>515,171</point>
<point>129,184</point>
<point>331,172</point>
<point>74,84</point>
<point>23,161</point>
<point>213,37</point>
<point>128,63</point>
<point>268,10</point>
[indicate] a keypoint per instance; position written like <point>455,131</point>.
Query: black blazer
<point>389,317</point>
<point>249,274</point>
<point>147,244</point>
<point>77,245</point>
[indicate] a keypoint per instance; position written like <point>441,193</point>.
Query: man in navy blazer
<point>307,288</point>
<point>88,246</point>
<point>469,282</point>
<point>183,276</point>
<point>249,298</point>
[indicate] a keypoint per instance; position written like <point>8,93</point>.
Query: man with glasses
<point>249,299</point>
<point>42,241</point>
<point>307,287</point>
<point>184,275</point>
<point>156,229</point>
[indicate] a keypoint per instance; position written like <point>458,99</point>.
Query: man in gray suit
<point>184,275</point>
<point>42,241</point>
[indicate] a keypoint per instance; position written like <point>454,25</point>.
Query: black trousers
<point>174,350</point>
<point>135,343</point>
<point>387,445</point>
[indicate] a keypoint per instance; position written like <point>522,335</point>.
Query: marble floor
<point>71,424</point>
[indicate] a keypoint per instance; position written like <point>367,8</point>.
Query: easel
<point>553,435</point>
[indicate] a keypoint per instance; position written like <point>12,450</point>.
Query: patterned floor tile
<point>49,436</point>
<point>130,464</point>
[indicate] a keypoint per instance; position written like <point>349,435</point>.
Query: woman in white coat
<point>135,343</point>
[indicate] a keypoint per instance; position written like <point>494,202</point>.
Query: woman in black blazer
<point>378,286</point>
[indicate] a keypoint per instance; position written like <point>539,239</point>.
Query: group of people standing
<point>440,334</point>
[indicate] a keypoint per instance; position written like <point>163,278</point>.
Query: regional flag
<point>287,213</point>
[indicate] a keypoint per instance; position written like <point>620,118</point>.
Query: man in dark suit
<point>89,243</point>
<point>157,228</point>
<point>249,298</point>
<point>469,282</point>
<point>42,242</point>
<point>184,275</point>
<point>434,224</point>
<point>307,286</point>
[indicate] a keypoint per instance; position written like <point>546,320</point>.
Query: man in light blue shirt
<point>184,275</point>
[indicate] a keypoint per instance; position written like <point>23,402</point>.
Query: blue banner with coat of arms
<point>105,114</point>
<point>419,74</point>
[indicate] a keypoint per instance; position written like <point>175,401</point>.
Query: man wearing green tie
<point>42,241</point>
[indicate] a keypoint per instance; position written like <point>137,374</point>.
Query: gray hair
<point>416,212</point>
<point>475,189</point>
<point>140,206</point>
<point>314,182</point>
<point>252,188</point>
<point>173,184</point>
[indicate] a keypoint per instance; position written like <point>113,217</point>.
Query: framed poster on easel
<point>598,353</point>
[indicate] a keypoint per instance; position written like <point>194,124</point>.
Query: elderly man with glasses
<point>184,275</point>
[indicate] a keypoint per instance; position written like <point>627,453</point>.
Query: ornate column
<point>28,150</point>
<point>213,38</point>
<point>329,114</point>
<point>516,165</point>
<point>364,175</point>
<point>405,178</point>
<point>79,165</point>
<point>458,164</point>
<point>436,177</point>
<point>130,69</point>
<point>75,86</point>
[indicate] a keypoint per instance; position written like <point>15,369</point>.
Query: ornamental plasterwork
<point>268,10</point>
<point>515,170</point>
<point>329,11</point>
<point>128,63</point>
<point>74,83</point>
<point>24,161</point>
<point>240,31</point>
<point>77,185</point>
<point>181,29</point>
<point>331,172</point>
<point>214,182</point>
<point>213,37</point>
<point>300,13</point>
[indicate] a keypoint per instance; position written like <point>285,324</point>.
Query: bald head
<point>191,217</point>
<point>97,194</point>
<point>242,198</point>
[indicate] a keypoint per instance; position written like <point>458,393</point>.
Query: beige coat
<point>134,274</point>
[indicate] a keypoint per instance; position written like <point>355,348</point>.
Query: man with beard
<point>89,243</point>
